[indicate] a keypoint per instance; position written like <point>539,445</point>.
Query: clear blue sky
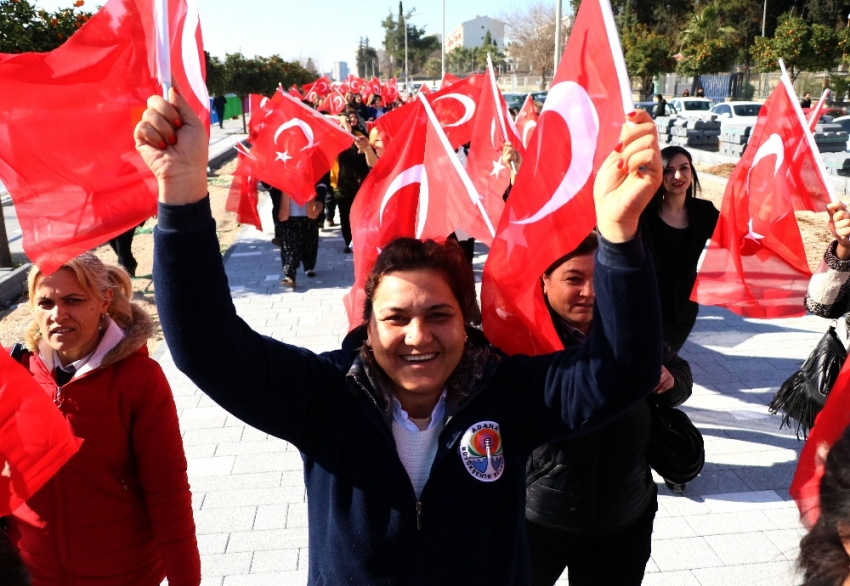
<point>325,29</point>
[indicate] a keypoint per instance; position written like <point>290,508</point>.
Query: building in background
<point>340,70</point>
<point>471,33</point>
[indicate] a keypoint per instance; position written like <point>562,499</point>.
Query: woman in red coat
<point>119,512</point>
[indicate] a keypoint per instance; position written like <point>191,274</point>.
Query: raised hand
<point>628,179</point>
<point>173,143</point>
<point>839,225</point>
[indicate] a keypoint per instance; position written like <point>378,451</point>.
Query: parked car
<point>743,112</point>
<point>539,96</point>
<point>515,100</point>
<point>690,106</point>
<point>648,106</point>
<point>844,121</point>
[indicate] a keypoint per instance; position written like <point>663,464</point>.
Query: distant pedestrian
<point>352,167</point>
<point>219,102</point>
<point>686,94</point>
<point>122,245</point>
<point>660,108</point>
<point>806,102</point>
<point>700,93</point>
<point>297,230</point>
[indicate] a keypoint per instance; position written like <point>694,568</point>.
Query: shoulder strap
<point>17,352</point>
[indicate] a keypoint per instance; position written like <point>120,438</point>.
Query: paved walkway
<point>734,525</point>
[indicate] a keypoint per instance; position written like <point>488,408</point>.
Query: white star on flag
<point>752,235</point>
<point>497,168</point>
<point>284,156</point>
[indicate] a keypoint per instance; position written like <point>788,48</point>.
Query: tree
<point>801,46</point>
<point>366,59</point>
<point>24,29</point>
<point>420,46</point>
<point>434,68</point>
<point>647,54</point>
<point>532,29</point>
<point>215,75</point>
<point>706,45</point>
<point>830,13</point>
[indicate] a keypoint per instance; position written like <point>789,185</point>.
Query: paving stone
<point>271,516</point>
<point>253,496</point>
<point>236,482</point>
<point>770,574</point>
<point>684,553</point>
<point>272,579</point>
<point>210,466</point>
<point>261,540</point>
<point>224,519</point>
<point>685,578</point>
<point>744,548</point>
<point>727,523</point>
<point>787,540</point>
<point>212,543</point>
<point>226,564</point>
<point>277,560</point>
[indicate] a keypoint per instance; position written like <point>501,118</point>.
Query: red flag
<point>815,114</point>
<point>417,189</point>
<point>551,208</point>
<point>293,91</point>
<point>334,103</point>
<point>295,147</point>
<point>355,84</point>
<point>484,163</point>
<point>385,206</point>
<point>322,86</point>
<point>72,193</point>
<point>35,439</point>
<point>454,106</point>
<point>188,63</point>
<point>448,79</point>
<point>424,90</point>
<point>389,92</point>
<point>526,120</point>
<point>373,87</point>
<point>756,263</point>
<point>258,107</point>
<point>830,424</point>
<point>242,199</point>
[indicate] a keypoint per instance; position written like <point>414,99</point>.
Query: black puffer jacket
<point>600,482</point>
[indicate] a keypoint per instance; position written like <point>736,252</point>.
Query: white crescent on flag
<point>422,212</point>
<point>305,128</point>
<point>468,104</point>
<point>192,53</point>
<point>527,130</point>
<point>407,177</point>
<point>571,102</point>
<point>772,146</point>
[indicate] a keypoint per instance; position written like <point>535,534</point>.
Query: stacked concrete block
<point>837,163</point>
<point>733,139</point>
<point>702,133</point>
<point>663,124</point>
<point>830,138</point>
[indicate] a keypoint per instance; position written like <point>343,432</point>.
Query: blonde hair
<point>95,277</point>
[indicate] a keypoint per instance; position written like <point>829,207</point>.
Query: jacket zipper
<point>418,516</point>
<point>542,471</point>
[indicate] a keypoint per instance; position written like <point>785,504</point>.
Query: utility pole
<point>406,71</point>
<point>558,34</point>
<point>443,48</point>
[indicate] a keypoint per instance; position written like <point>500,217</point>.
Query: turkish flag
<point>829,426</point>
<point>295,147</point>
<point>188,63</point>
<point>448,79</point>
<point>756,263</point>
<point>424,90</point>
<point>373,87</point>
<point>526,120</point>
<point>293,91</point>
<point>550,209</point>
<point>259,107</point>
<point>334,103</point>
<point>355,84</point>
<point>418,189</point>
<point>322,86</point>
<point>242,199</point>
<point>454,106</point>
<point>73,192</point>
<point>389,91</point>
<point>35,439</point>
<point>484,163</point>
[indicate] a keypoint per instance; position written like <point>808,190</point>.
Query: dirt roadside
<point>14,320</point>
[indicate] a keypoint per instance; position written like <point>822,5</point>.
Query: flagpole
<point>789,87</point>
<point>617,53</point>
<point>498,103</point>
<point>815,113</point>
<point>163,46</point>
<point>464,176</point>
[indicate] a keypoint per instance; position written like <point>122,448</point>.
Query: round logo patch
<point>481,451</point>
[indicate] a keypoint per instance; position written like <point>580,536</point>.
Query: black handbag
<point>802,395</point>
<point>676,448</point>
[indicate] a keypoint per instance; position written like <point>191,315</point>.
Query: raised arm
<point>280,389</point>
<point>829,290</point>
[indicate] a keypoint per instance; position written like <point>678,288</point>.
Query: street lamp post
<point>443,48</point>
<point>558,34</point>
<point>406,70</point>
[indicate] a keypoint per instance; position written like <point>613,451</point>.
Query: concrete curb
<point>13,284</point>
<point>221,158</point>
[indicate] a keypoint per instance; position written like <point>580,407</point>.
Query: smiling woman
<point>123,500</point>
<point>415,433</point>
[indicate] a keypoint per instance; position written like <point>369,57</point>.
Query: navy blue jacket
<point>365,523</point>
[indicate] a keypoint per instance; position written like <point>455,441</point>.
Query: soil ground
<point>15,319</point>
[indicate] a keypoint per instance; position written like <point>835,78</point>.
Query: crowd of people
<point>429,455</point>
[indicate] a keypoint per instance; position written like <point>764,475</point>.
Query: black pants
<point>299,243</point>
<point>274,195</point>
<point>219,111</point>
<point>123,247</point>
<point>344,205</point>
<point>610,560</point>
<point>330,206</point>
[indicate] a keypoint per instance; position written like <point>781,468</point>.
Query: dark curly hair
<point>823,558</point>
<point>667,153</point>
